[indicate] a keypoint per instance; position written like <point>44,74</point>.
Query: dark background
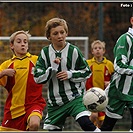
<point>97,20</point>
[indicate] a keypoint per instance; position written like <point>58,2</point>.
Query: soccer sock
<point>86,124</point>
<point>131,112</point>
<point>56,130</point>
<point>108,124</point>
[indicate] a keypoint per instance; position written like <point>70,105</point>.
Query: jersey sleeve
<point>42,72</point>
<point>123,54</point>
<point>3,80</point>
<point>82,70</point>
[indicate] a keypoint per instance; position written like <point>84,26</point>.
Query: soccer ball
<point>95,99</point>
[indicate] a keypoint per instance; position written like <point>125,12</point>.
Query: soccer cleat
<point>97,130</point>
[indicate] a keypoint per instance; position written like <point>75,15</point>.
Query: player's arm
<point>82,71</point>
<point>7,72</point>
<point>122,51</point>
<point>43,72</point>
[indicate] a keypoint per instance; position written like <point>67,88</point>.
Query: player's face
<point>98,50</point>
<point>20,45</point>
<point>58,37</point>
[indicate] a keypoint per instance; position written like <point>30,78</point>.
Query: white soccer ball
<point>95,99</point>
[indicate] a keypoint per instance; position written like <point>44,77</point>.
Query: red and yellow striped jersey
<point>23,92</point>
<point>101,72</point>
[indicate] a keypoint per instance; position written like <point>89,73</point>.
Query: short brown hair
<point>54,22</point>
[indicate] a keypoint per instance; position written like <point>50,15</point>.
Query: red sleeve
<point>89,84</point>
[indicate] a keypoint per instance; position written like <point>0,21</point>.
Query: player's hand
<point>57,60</point>
<point>62,75</point>
<point>9,72</point>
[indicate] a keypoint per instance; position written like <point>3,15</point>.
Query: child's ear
<point>11,45</point>
<point>92,51</point>
<point>104,50</point>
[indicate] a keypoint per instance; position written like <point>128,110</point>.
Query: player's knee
<point>86,124</point>
<point>34,123</point>
<point>34,126</point>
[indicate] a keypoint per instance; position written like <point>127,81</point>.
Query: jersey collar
<point>103,61</point>
<point>27,55</point>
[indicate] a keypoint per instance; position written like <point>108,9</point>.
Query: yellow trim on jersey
<point>36,114</point>
<point>8,129</point>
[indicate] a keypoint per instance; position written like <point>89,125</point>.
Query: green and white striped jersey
<point>121,85</point>
<point>72,61</point>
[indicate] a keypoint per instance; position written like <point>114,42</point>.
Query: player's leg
<point>55,129</point>
<point>101,116</point>
<point>131,112</point>
<point>94,118</point>
<point>33,117</point>
<point>108,124</point>
<point>81,115</point>
<point>34,121</point>
<point>55,118</point>
<point>114,111</point>
<point>129,105</point>
<point>86,124</point>
<point>53,121</point>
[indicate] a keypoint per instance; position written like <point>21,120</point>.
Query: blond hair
<point>54,22</point>
<point>12,37</point>
<point>99,42</point>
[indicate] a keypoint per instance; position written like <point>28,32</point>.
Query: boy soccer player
<point>102,69</point>
<point>120,90</point>
<point>64,68</point>
<point>24,105</point>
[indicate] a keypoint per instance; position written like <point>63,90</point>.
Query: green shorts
<point>116,107</point>
<point>56,116</point>
<point>117,103</point>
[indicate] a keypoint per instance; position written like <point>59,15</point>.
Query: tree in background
<point>82,18</point>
